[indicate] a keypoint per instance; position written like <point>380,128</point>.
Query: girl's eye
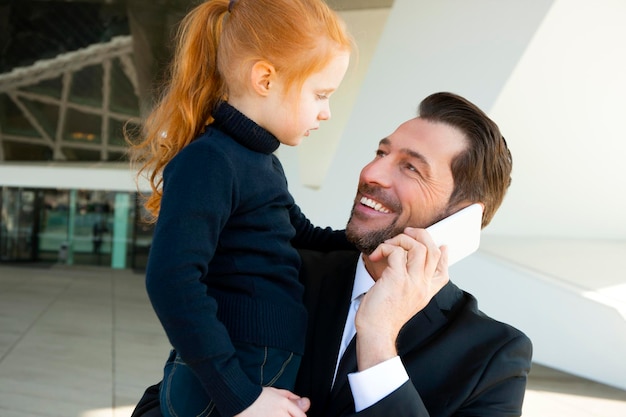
<point>322,97</point>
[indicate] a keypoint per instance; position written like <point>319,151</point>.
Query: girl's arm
<point>309,236</point>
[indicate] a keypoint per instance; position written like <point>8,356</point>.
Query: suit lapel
<point>428,321</point>
<point>332,309</point>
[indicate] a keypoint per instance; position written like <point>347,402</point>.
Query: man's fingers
<point>284,392</point>
<point>443,261</point>
<point>422,253</point>
<point>274,402</point>
<point>303,404</point>
<point>433,252</point>
<point>396,255</point>
<point>379,253</point>
<point>408,241</point>
<point>412,250</point>
<point>299,405</point>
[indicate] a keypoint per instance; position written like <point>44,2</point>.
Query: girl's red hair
<point>215,51</point>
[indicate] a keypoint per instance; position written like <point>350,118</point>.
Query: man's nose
<point>377,172</point>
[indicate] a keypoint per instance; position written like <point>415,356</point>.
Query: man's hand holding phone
<point>411,268</point>
<point>416,269</point>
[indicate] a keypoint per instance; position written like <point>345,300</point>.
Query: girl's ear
<point>262,75</point>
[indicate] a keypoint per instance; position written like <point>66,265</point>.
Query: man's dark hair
<point>481,173</point>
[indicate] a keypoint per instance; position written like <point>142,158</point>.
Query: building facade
<point>68,88</point>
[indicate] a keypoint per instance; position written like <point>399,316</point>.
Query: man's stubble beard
<point>368,241</point>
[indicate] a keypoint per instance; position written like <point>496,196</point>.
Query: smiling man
<point>422,347</point>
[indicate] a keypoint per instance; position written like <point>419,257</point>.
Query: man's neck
<point>375,269</point>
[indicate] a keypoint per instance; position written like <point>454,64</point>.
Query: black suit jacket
<point>460,362</point>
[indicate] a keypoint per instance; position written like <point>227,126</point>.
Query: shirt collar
<point>363,281</point>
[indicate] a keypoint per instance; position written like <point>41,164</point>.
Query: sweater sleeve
<point>198,195</point>
<point>316,238</point>
<point>309,236</point>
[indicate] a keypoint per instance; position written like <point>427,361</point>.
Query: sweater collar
<point>246,132</point>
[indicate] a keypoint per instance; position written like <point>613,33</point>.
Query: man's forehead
<point>418,131</point>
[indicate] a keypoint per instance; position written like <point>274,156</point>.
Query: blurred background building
<point>68,84</point>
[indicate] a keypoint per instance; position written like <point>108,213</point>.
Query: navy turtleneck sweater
<point>222,267</point>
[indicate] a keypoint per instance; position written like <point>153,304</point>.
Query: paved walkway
<point>84,342</point>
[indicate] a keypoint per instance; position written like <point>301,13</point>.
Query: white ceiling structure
<point>20,86</point>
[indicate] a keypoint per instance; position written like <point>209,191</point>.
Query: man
<point>422,347</point>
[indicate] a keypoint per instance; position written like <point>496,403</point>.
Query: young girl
<point>222,274</point>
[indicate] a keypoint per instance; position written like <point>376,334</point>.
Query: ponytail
<point>195,87</point>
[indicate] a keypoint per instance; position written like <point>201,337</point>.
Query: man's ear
<point>261,76</point>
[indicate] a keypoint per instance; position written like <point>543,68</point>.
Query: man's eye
<point>380,154</point>
<point>411,168</point>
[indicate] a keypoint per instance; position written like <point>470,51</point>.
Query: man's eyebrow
<point>409,152</point>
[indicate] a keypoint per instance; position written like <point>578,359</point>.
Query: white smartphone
<point>460,232</point>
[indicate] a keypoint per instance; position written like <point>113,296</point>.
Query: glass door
<point>19,223</point>
<point>53,231</point>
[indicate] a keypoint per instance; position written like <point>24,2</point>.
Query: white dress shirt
<point>373,384</point>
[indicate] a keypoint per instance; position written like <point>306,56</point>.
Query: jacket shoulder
<point>484,321</point>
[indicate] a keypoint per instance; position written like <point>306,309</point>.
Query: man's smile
<point>373,204</point>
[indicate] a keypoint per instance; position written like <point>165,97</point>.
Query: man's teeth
<point>373,204</point>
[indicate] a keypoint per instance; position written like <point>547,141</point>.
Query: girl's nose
<point>324,113</point>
